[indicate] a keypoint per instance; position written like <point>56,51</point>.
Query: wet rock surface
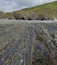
<point>28,44</point>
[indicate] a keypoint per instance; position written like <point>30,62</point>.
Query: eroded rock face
<point>32,16</point>
<point>35,17</point>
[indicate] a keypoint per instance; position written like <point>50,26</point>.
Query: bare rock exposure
<point>28,43</point>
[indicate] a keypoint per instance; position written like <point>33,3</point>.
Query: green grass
<point>48,10</point>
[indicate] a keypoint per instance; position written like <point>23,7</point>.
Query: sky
<point>12,5</point>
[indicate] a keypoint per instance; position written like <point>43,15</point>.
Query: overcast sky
<point>11,5</point>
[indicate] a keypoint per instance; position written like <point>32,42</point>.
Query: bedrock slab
<point>28,43</point>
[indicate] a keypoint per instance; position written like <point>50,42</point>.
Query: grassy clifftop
<point>45,11</point>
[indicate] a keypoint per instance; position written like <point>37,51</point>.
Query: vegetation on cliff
<point>46,11</point>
